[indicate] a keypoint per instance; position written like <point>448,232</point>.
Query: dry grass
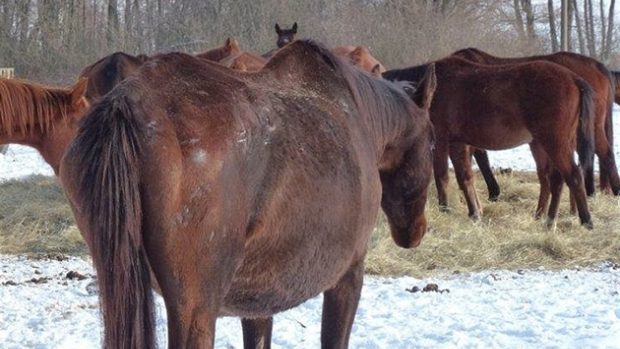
<point>35,217</point>
<point>507,237</point>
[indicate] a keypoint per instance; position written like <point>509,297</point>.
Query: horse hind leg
<point>465,178</point>
<point>482,159</point>
<point>556,183</point>
<point>440,171</point>
<point>573,177</point>
<point>542,171</point>
<point>257,333</point>
<point>339,307</point>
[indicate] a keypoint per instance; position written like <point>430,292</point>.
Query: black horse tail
<point>585,133</point>
<point>102,173</point>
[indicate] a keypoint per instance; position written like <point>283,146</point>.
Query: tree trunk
<point>582,48</point>
<point>519,20</point>
<point>603,27</point>
<point>610,28</point>
<point>526,5</point>
<point>552,28</point>
<point>113,24</point>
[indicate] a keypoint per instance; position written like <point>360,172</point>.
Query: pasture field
<point>35,218</point>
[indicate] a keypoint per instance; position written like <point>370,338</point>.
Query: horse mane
<point>26,107</point>
<point>373,97</point>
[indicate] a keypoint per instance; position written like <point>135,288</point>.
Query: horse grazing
<point>500,107</point>
<point>193,176</point>
<point>361,57</point>
<point>42,117</point>
<point>109,71</point>
<point>601,81</point>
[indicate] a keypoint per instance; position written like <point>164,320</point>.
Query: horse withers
<point>500,107</point>
<point>243,194</point>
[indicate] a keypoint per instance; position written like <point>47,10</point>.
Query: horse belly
<point>500,136</point>
<point>311,252</point>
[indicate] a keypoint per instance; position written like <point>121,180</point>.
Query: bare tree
<point>552,27</point>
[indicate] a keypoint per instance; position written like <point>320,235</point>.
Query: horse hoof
<point>445,209</point>
<point>551,223</point>
<point>475,217</point>
<point>493,198</point>
<point>588,225</point>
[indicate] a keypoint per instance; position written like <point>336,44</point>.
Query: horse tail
<point>104,162</point>
<point>585,133</point>
<point>609,124</point>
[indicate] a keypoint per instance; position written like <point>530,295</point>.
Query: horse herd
<point>242,185</point>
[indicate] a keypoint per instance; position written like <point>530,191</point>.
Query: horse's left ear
<point>294,28</point>
<point>278,29</point>
<point>78,93</point>
<point>429,85</point>
<point>376,71</point>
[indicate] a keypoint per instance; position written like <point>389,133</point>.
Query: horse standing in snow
<point>244,194</point>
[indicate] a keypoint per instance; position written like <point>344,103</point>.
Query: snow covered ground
<point>574,308</point>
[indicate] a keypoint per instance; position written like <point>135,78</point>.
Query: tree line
<point>51,40</point>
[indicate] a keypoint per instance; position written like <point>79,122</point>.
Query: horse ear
<point>78,93</point>
<point>429,85</point>
<point>295,28</point>
<point>356,54</point>
<point>278,29</point>
<point>376,70</point>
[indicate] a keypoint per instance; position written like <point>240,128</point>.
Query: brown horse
<point>361,57</point>
<point>193,176</point>
<point>42,117</point>
<point>500,107</point>
<point>218,54</point>
<point>109,71</point>
<point>245,61</point>
<point>600,79</point>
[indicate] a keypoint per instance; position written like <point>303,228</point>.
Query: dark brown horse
<point>285,36</point>
<point>500,107</point>
<point>616,75</point>
<point>109,71</point>
<point>600,79</point>
<point>42,117</point>
<point>243,194</point>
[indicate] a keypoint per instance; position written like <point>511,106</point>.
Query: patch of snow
<point>501,309</point>
<point>22,161</point>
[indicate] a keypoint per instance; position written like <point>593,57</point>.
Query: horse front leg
<point>339,307</point>
<point>440,171</point>
<point>461,160</point>
<point>257,333</point>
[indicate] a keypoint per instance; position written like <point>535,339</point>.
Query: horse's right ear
<point>278,29</point>
<point>294,28</point>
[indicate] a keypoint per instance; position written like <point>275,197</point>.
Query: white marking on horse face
<point>199,156</point>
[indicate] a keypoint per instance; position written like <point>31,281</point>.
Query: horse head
<point>406,169</point>
<point>285,36</point>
